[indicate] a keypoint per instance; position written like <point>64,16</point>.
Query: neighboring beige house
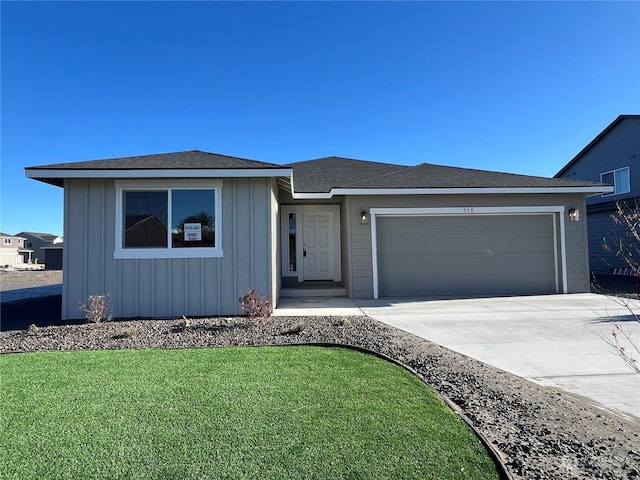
<point>40,244</point>
<point>188,233</point>
<point>12,250</point>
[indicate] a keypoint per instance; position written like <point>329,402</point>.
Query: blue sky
<point>508,86</point>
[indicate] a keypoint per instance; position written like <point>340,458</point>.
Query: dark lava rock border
<point>538,432</point>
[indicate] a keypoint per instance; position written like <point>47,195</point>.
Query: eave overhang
<point>57,176</point>
<point>451,191</point>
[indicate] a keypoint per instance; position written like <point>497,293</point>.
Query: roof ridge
<point>231,156</point>
<point>342,158</point>
<point>189,151</point>
<point>402,168</point>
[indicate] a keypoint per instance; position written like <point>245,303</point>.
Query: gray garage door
<point>466,255</point>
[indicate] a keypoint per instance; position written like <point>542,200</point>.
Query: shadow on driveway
<point>40,311</point>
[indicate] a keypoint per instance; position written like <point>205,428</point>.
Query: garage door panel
<point>472,255</point>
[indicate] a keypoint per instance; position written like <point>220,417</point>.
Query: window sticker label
<point>192,232</point>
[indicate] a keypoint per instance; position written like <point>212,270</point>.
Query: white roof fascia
<point>291,181</point>
<point>450,191</point>
<point>158,173</point>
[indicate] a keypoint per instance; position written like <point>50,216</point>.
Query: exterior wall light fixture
<point>364,218</point>
<point>574,215</point>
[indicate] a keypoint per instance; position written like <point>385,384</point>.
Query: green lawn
<point>282,412</point>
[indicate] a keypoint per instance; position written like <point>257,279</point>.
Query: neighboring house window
<point>619,179</point>
<point>6,241</point>
<point>180,219</point>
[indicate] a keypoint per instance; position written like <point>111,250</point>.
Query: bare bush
<point>97,309</point>
<point>627,249</point>
<point>256,306</point>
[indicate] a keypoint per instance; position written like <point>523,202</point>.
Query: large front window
<point>178,220</point>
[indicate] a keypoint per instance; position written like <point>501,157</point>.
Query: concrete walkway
<point>553,340</point>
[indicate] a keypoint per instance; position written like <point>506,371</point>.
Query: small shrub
<point>256,306</point>
<point>97,309</point>
<point>182,325</point>
<point>300,326</point>
<point>342,321</point>
<point>127,332</point>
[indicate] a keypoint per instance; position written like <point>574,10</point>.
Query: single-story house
<point>188,233</point>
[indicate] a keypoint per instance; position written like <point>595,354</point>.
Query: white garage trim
<point>470,211</point>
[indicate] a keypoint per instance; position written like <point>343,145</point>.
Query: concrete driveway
<point>552,340</point>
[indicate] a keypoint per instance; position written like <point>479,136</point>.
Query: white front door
<point>318,246</point>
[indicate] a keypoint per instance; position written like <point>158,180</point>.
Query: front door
<point>318,246</point>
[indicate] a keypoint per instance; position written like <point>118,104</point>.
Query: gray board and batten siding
<point>168,287</point>
<point>617,147</point>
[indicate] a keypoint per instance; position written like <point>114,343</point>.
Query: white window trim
<point>6,241</point>
<point>141,185</point>
<point>555,210</point>
<point>615,190</point>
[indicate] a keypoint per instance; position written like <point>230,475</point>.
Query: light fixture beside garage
<point>574,215</point>
<point>364,218</point>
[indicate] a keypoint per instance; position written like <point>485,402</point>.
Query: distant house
<point>12,250</point>
<point>53,256</point>
<point>46,249</point>
<point>188,233</point>
<point>612,157</point>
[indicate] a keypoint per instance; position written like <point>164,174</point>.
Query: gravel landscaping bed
<point>539,433</point>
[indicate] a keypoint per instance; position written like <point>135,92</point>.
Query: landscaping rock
<point>540,433</point>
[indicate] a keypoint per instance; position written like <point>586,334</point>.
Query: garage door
<point>466,255</point>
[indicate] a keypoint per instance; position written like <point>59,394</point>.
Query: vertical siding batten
<point>202,287</point>
<point>65,254</point>
<point>252,233</point>
<point>103,208</point>
<point>185,281</point>
<point>153,289</point>
<point>85,244</point>
<point>234,237</point>
<point>136,286</point>
<point>555,250</point>
<point>169,277</point>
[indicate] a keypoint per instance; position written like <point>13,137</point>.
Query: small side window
<point>619,179</point>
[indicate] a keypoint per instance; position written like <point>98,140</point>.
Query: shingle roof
<point>192,159</point>
<point>323,174</point>
<point>45,237</point>
<point>320,176</point>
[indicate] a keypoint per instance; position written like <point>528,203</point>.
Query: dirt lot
<point>29,279</point>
